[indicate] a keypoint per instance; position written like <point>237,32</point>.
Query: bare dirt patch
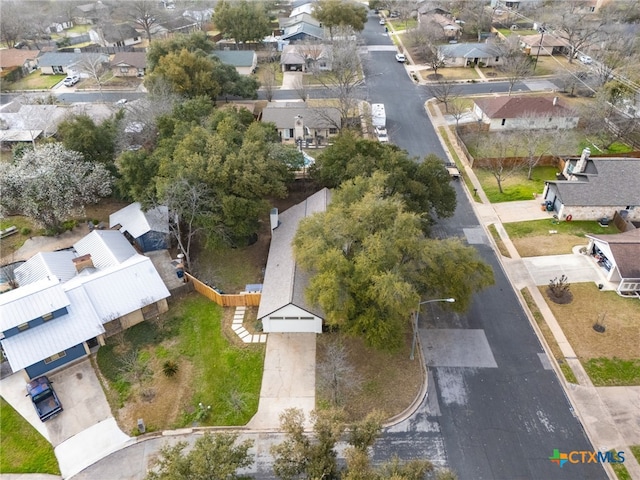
<point>556,244</point>
<point>390,381</point>
<point>160,400</point>
<point>622,330</point>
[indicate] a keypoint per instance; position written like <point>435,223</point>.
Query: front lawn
<point>35,81</point>
<point>516,187</point>
<point>610,358</point>
<point>23,449</point>
<point>532,238</point>
<point>215,382</point>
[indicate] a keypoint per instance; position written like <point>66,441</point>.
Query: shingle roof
<point>613,183</point>
<point>236,58</point>
<point>15,57</point>
<point>285,283</point>
<point>470,50</point>
<point>133,220</point>
<point>303,28</point>
<point>625,248</point>
<point>549,40</point>
<point>302,17</point>
<point>65,59</point>
<point>515,107</point>
<point>283,114</point>
<point>134,59</point>
<point>118,33</point>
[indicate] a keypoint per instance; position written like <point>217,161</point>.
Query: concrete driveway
<point>85,431</point>
<point>578,268</point>
<point>288,380</point>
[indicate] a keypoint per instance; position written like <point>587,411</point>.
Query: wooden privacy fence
<point>223,299</point>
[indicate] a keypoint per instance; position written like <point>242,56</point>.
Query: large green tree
<point>214,456</point>
<point>242,21</point>
<point>371,263</point>
<point>195,42</point>
<point>424,186</point>
<point>95,142</point>
<point>334,13</point>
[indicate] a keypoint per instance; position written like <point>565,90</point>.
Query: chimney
<point>83,262</point>
<point>582,163</point>
<point>555,101</point>
<point>274,218</point>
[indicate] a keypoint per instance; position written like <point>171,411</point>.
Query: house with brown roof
<point>525,113</point>
<point>544,44</point>
<point>14,58</point>
<point>129,64</point>
<point>619,257</point>
<point>596,188</point>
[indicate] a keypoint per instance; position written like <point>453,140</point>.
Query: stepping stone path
<point>246,337</point>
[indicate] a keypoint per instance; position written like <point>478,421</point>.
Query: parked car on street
<point>400,57</point>
<point>71,81</point>
<point>381,134</point>
<point>44,398</point>
<point>382,21</point>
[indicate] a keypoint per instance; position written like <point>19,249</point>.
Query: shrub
<point>25,231</point>
<point>170,368</point>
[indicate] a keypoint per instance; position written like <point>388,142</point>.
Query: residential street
<point>499,413</point>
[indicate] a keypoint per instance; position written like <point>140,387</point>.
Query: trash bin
<point>549,205</point>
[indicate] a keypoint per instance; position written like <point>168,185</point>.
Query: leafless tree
<point>345,75</point>
<point>515,65</point>
<point>145,13</point>
<point>444,91</point>
<point>424,40</point>
<point>616,50</point>
<point>12,22</point>
<point>268,79</point>
<point>576,25</point>
<point>337,376</point>
<point>301,86</point>
<point>604,123</point>
<point>457,109</point>
<point>93,65</point>
<point>8,272</point>
<point>477,15</point>
<point>499,157</point>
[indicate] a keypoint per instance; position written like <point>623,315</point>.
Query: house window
<point>504,120</point>
<point>23,326</point>
<point>291,134</point>
<point>333,131</point>
<point>55,357</point>
<point>497,59</point>
<point>47,317</point>
<point>124,69</point>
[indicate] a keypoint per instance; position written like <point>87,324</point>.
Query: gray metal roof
<point>305,29</point>
<point>47,264</point>
<point>469,50</point>
<point>31,301</point>
<point>64,59</point>
<point>283,114</point>
<point>614,182</point>
<point>133,220</point>
<point>285,283</point>
<point>106,247</point>
<point>35,344</point>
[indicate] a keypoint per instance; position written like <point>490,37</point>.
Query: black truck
<point>44,398</point>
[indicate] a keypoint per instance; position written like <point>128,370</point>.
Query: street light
<point>415,325</point>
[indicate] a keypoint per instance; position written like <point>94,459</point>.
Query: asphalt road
<point>495,408</point>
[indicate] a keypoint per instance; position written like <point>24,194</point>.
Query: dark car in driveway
<point>44,398</point>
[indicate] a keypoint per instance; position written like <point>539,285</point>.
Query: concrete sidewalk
<point>610,415</point>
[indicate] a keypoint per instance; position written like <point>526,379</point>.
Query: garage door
<point>307,324</point>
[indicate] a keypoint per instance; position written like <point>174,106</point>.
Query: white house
<point>525,113</point>
<point>619,256</point>
<point>68,301</point>
<point>296,121</point>
<point>283,306</point>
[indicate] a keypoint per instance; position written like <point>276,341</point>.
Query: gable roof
<point>625,248</point>
<point>301,17</point>
<point>133,220</point>
<point>303,28</point>
<point>47,264</point>
<point>31,301</point>
<point>65,59</point>
<point>549,40</point>
<point>133,59</point>
<point>106,247</point>
<point>297,54</point>
<point>118,33</point>
<point>515,107</point>
<point>469,50</point>
<point>236,58</point>
<point>284,282</point>
<point>283,114</point>
<point>16,57</point>
<point>34,344</point>
<point>606,182</point>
